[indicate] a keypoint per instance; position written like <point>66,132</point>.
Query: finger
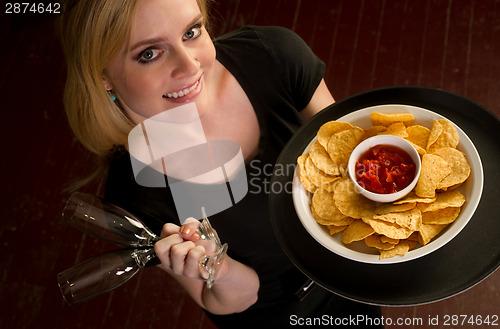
<point>192,265</point>
<point>178,254</point>
<point>169,229</point>
<point>190,220</point>
<point>162,248</point>
<point>188,230</point>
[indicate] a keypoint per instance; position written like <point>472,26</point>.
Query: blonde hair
<point>92,33</point>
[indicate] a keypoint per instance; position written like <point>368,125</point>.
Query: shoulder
<point>289,66</point>
<point>266,37</point>
<point>271,47</point>
<point>277,35</point>
<point>259,31</point>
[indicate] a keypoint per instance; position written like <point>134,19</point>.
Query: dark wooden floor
<point>448,44</point>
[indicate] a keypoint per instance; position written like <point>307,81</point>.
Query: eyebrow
<point>159,40</point>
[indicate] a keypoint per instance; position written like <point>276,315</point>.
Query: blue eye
<point>193,33</point>
<point>149,55</point>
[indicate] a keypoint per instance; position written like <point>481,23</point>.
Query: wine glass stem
<point>144,256</point>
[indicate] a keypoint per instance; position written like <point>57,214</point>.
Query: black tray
<point>463,262</point>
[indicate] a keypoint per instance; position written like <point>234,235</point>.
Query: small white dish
<point>364,147</point>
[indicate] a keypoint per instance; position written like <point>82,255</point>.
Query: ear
<point>106,82</point>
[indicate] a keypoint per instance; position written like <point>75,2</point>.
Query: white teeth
<point>182,93</point>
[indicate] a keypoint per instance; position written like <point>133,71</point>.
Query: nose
<point>186,63</point>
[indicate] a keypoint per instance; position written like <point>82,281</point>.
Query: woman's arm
<point>321,99</point>
<point>236,285</point>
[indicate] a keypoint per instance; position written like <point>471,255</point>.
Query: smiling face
<point>166,62</point>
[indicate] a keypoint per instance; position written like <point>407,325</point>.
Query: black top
<point>279,73</point>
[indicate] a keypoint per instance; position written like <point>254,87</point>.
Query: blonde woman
<point>130,60</point>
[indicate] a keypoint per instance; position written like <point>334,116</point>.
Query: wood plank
<point>389,47</point>
<point>413,26</point>
<point>366,47</point>
<point>434,44</point>
<point>492,101</point>
<point>457,52</point>
<point>481,50</point>
<point>339,72</point>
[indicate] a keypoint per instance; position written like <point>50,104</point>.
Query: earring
<point>110,93</point>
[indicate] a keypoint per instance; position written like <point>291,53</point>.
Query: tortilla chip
<point>444,200</point>
<point>328,129</point>
<point>390,230</point>
<point>442,216</point>
<point>342,222</point>
<point>443,135</point>
<point>413,237</point>
<point>420,150</point>
<point>412,197</point>
<point>303,177</point>
<point>341,144</point>
<point>386,119</point>
<point>460,168</point>
<point>411,219</point>
<point>328,222</point>
<point>336,229</point>
<point>318,177</point>
<point>324,206</point>
<point>350,203</point>
<point>412,244</point>
<point>428,231</point>
<point>399,250</point>
<point>433,170</point>
<point>375,241</point>
<point>418,135</point>
<point>373,131</point>
<point>386,208</point>
<point>322,160</point>
<point>386,239</point>
<point>356,231</point>
<point>396,129</point>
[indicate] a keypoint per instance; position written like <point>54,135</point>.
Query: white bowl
<point>367,144</point>
<point>472,188</point>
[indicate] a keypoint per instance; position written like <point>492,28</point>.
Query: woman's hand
<point>180,249</point>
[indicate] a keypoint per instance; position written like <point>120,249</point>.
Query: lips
<point>186,93</point>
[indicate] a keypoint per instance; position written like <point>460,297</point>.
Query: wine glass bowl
<point>102,274</point>
<point>216,251</point>
<point>206,231</point>
<point>106,221</point>
<point>211,264</point>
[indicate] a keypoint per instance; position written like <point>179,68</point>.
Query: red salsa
<point>385,169</point>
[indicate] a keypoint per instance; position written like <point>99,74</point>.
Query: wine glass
<point>110,223</point>
<point>103,273</point>
<point>106,221</point>
<point>211,263</point>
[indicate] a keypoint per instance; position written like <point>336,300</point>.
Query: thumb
<point>188,229</point>
<point>189,220</point>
